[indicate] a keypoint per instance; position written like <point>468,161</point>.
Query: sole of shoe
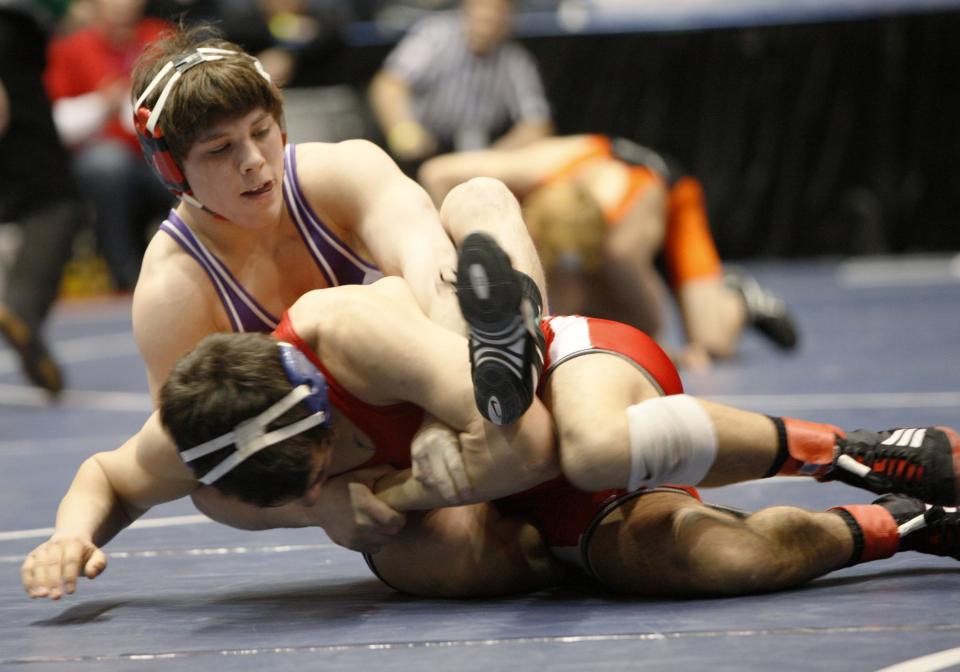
<point>487,286</point>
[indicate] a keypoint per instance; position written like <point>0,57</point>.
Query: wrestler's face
<point>487,23</point>
<point>318,476</point>
<point>319,473</point>
<point>235,168</point>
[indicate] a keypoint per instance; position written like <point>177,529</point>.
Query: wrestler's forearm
<point>432,283</point>
<point>502,461</point>
<point>523,133</point>
<point>499,461</point>
<point>91,508</point>
<point>402,492</point>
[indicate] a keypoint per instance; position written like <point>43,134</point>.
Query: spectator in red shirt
<point>88,80</point>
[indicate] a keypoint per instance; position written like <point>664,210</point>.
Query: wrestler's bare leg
<point>588,397</point>
<point>713,315</point>
<point>500,288</point>
<point>467,551</point>
<point>486,205</point>
<point>666,544</point>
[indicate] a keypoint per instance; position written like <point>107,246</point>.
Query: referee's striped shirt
<point>466,100</point>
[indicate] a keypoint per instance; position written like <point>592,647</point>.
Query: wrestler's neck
<point>231,239</point>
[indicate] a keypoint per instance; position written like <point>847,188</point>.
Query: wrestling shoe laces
<point>913,461</point>
<point>924,527</point>
<point>766,312</point>
<point>502,309</point>
<point>35,360</point>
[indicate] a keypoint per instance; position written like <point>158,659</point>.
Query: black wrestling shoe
<point>35,359</point>
<point>921,463</point>
<point>924,527</point>
<point>502,309</point>
<point>766,312</point>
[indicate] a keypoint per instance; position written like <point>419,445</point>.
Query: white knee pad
<point>672,440</point>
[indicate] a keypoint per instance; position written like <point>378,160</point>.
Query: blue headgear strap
<point>251,436</point>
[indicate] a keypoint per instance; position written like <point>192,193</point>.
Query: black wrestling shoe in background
<point>502,309</point>
<point>35,360</point>
<point>919,462</point>
<point>766,312</point>
<point>923,527</point>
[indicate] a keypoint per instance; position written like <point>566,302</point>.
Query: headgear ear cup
<point>301,371</point>
<point>155,149</point>
<point>157,154</point>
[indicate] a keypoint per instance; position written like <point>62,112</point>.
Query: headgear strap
<point>251,436</point>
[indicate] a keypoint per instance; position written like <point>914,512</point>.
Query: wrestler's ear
<point>312,495</point>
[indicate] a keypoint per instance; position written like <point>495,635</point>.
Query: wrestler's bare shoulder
<point>355,302</point>
<point>168,274</point>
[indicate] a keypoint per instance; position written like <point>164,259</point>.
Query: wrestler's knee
<point>479,192</point>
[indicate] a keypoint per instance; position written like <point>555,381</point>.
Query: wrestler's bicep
<point>438,366</point>
<point>147,470</point>
<point>387,350</point>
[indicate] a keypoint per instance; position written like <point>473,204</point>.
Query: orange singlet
<point>640,177</point>
<point>689,247</point>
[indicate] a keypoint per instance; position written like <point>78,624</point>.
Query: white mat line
<point>85,348</point>
<point>482,643</point>
<point>89,400</point>
<point>899,272</point>
<point>200,552</point>
<point>841,400</point>
<point>930,663</point>
<point>169,521</point>
<point>80,349</point>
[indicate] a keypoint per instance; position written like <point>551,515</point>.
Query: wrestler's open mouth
<point>262,189</point>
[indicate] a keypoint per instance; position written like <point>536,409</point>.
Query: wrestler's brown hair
<point>566,223</point>
<point>207,94</point>
<point>226,379</point>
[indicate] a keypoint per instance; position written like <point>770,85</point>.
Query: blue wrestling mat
<point>881,346</point>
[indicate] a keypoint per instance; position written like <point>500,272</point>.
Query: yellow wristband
<point>405,135</point>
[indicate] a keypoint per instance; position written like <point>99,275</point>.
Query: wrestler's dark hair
<point>226,379</point>
<point>206,95</point>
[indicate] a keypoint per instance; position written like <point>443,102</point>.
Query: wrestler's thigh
<point>588,397</point>
<point>467,551</point>
<point>599,382</point>
<point>667,544</point>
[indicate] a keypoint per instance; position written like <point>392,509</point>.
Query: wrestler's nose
<point>251,157</point>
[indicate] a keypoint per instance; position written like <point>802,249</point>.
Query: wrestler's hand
<point>52,568</point>
<point>352,516</point>
<point>438,463</point>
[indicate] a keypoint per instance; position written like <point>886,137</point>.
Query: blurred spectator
<point>284,33</point>
<point>455,82</point>
<point>601,211</point>
<point>38,189</point>
<point>88,80</point>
